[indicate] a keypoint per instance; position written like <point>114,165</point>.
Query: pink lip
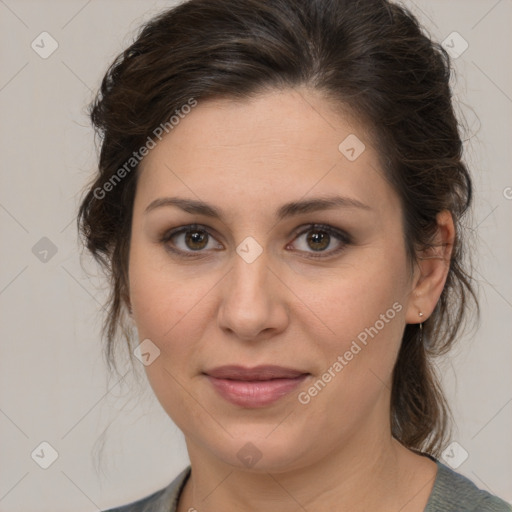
<point>254,387</point>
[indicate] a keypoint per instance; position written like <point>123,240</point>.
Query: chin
<point>262,450</point>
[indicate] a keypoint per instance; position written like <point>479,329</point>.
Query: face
<point>257,239</point>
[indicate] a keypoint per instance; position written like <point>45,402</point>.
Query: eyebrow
<point>287,210</point>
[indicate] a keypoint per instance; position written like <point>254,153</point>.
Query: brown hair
<point>369,56</point>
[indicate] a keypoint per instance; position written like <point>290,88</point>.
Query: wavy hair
<point>369,57</point>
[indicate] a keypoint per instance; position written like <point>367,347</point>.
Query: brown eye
<point>321,241</point>
<point>196,239</point>
<point>190,240</point>
<point>318,240</point>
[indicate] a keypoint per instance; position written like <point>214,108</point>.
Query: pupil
<point>196,240</point>
<point>318,240</point>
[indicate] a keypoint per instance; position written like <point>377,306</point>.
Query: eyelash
<point>342,237</point>
<point>339,235</point>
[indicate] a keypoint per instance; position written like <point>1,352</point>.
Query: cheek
<point>160,297</point>
<point>363,311</point>
<point>173,308</point>
<point>167,310</point>
<point>354,297</point>
<point>163,305</point>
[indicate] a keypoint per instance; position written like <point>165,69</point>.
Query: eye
<point>321,239</point>
<point>190,239</point>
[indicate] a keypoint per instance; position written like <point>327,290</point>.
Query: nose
<point>253,304</point>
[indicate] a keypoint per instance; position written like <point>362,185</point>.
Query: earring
<point>420,314</point>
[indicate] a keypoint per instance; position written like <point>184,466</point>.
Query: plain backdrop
<point>111,441</point>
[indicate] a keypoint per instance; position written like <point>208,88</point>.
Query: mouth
<point>254,387</point>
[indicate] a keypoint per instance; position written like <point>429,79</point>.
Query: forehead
<point>276,146</point>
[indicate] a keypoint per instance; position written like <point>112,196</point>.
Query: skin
<point>247,159</point>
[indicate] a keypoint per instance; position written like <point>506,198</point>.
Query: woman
<point>279,204</point>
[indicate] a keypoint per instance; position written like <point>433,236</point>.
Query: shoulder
<point>164,500</point>
<point>453,492</point>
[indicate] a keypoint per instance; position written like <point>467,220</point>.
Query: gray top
<point>452,492</point>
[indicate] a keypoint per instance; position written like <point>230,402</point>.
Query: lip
<point>254,387</point>
<point>262,372</point>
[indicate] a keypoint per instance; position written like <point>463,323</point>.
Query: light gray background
<point>54,386</point>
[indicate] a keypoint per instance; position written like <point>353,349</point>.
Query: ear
<point>431,271</point>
